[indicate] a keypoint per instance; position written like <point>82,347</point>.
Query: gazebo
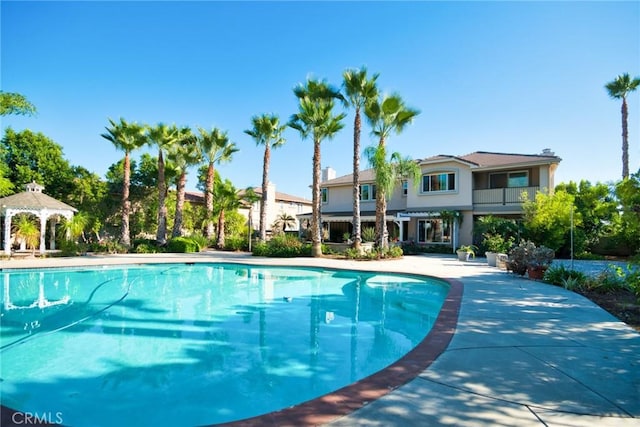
<point>35,202</point>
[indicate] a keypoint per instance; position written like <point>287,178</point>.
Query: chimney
<point>548,152</point>
<point>328,173</point>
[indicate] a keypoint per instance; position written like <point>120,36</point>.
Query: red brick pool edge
<point>327,408</point>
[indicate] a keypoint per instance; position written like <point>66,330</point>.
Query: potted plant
<point>519,257</point>
<point>495,244</point>
<point>538,262</point>
<point>465,252</point>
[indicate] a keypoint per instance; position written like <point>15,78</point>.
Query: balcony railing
<point>503,196</point>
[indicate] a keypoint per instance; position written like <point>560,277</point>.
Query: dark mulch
<point>622,303</point>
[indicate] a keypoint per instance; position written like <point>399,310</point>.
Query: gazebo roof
<point>35,199</point>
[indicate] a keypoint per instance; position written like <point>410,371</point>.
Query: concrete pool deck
<point>523,353</point>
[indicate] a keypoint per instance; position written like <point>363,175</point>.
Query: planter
<point>536,273</point>
<point>492,258</point>
<point>501,261</point>
<point>366,247</point>
<point>463,255</point>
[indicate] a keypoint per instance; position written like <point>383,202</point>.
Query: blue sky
<point>487,76</point>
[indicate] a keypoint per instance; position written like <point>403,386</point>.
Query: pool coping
<point>354,396</point>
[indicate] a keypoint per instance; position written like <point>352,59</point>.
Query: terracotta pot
<point>536,273</point>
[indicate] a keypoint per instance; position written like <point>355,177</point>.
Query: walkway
<point>524,353</point>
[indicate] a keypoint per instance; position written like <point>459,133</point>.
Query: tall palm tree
<point>619,89</point>
<point>215,148</point>
<point>360,92</point>
<point>315,118</point>
<point>163,137</point>
<point>183,153</point>
<point>385,115</point>
<point>266,131</point>
<point>127,137</point>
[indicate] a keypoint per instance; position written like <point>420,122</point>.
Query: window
<point>325,195</point>
<point>434,231</point>
<point>405,187</point>
<point>367,192</point>
<point>509,179</point>
<point>439,182</point>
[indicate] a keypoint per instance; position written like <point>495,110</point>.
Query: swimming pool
<point>177,344</point>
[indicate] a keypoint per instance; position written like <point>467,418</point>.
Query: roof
<point>197,197</point>
<point>34,200</point>
<point>476,160</point>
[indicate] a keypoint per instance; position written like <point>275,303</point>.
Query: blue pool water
<point>199,344</point>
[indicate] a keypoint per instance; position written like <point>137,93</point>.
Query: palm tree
<point>163,137</point>
<point>183,153</point>
<point>227,199</point>
<point>266,131</point>
<point>215,148</point>
<point>74,227</point>
<point>28,231</point>
<point>315,118</point>
<point>285,220</point>
<point>360,92</point>
<point>618,89</point>
<point>126,137</point>
<point>386,115</point>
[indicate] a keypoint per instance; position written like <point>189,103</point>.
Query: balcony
<point>503,196</point>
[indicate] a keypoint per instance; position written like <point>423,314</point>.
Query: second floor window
<point>367,192</point>
<point>324,196</point>
<point>405,187</point>
<point>438,182</point>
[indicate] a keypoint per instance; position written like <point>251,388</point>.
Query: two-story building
<point>452,192</point>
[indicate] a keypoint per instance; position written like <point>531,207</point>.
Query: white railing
<point>503,196</point>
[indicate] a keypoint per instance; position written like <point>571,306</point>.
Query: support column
<point>52,234</point>
<point>7,233</point>
<point>43,232</point>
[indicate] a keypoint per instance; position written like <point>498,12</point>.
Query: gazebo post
<point>7,233</point>
<point>52,235</point>
<point>43,231</point>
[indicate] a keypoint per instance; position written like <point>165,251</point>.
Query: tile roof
<point>197,197</point>
<point>34,200</point>
<point>478,159</point>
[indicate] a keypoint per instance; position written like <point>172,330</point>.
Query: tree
<point>389,173</point>
<point>266,131</point>
<point>215,148</point>
<point>315,118</point>
<point>283,221</point>
<point>619,89</point>
<point>385,115</point>
<point>597,208</point>
<point>28,156</point>
<point>227,199</point>
<point>628,192</point>
<point>15,103</point>
<point>126,137</point>
<point>547,219</point>
<point>163,137</point>
<point>76,225</point>
<point>360,92</point>
<point>25,229</point>
<point>184,154</point>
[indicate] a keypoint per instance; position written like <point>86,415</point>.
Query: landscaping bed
<point>622,303</point>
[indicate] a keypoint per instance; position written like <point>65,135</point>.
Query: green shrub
<point>236,243</point>
<point>147,248</point>
<point>200,240</point>
<point>368,234</point>
<point>108,246</point>
<point>282,246</point>
<point>561,276</point>
<point>606,281</point>
<point>182,245</point>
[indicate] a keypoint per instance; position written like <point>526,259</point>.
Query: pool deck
<point>523,352</point>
